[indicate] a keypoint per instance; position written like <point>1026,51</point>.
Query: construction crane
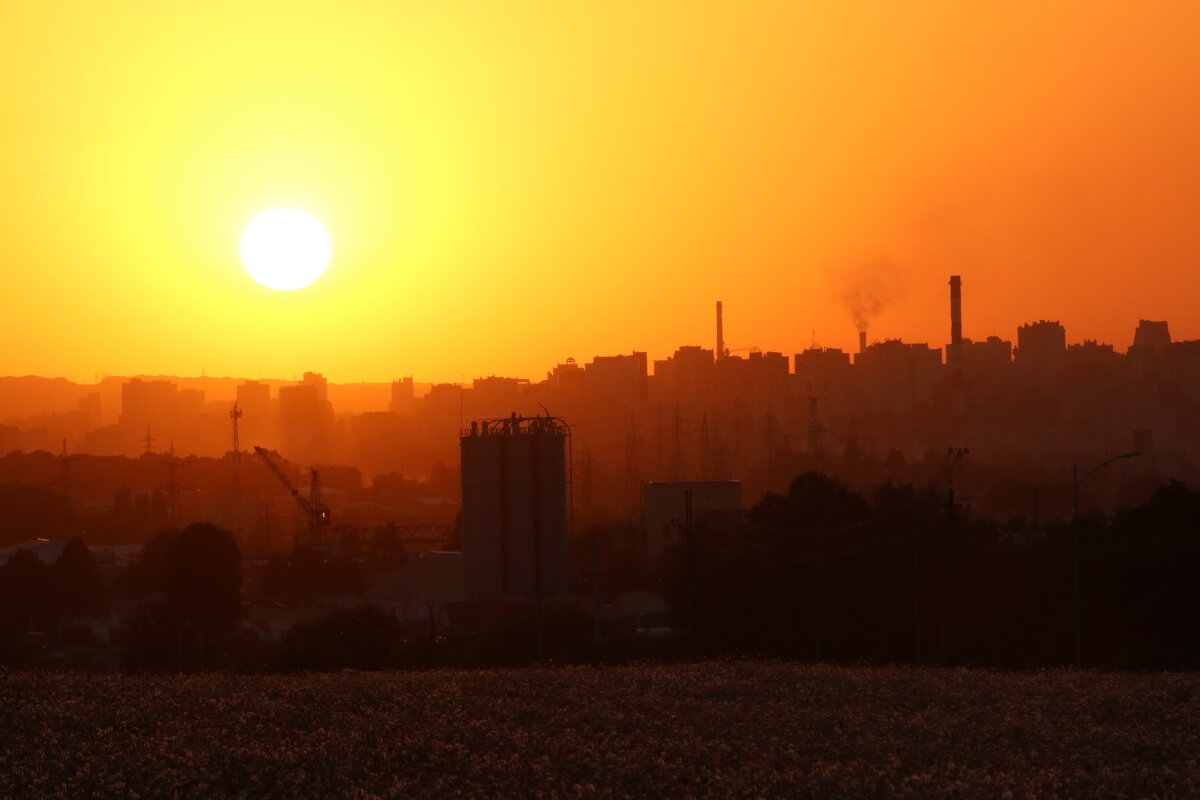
<point>316,512</point>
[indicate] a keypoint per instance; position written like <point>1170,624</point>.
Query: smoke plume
<point>866,288</point>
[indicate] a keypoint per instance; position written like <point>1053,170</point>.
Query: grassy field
<point>717,729</point>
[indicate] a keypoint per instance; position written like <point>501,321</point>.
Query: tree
<point>356,638</point>
<point>24,593</point>
<point>78,590</point>
<point>33,511</point>
<point>202,576</point>
<point>192,580</point>
<point>311,573</point>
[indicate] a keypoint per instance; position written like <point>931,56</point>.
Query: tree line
<point>905,575</point>
<point>822,573</point>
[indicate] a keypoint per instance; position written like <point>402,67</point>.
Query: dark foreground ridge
<point>715,729</point>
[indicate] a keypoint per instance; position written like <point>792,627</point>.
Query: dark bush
<point>347,638</point>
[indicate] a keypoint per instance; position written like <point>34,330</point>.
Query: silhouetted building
<point>403,397</point>
<point>620,380</point>
<point>897,376</point>
<point>446,399</point>
<point>1152,335</point>
<point>686,375</point>
<point>1041,347</point>
<point>493,396</point>
<point>568,379</point>
<point>148,403</point>
<point>760,377</point>
<point>1149,349</point>
<point>89,407</point>
<point>992,353</point>
<point>306,420</point>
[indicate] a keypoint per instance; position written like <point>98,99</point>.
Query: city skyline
<point>424,382</point>
<point>1027,405</point>
<point>684,398</point>
<point>507,189</point>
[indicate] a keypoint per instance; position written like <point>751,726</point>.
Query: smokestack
<point>862,341</point>
<point>955,311</point>
<point>720,333</point>
<point>958,427</point>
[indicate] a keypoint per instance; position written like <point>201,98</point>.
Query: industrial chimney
<point>955,317</point>
<point>862,341</point>
<point>954,359</point>
<point>720,333</point>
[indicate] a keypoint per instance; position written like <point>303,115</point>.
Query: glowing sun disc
<point>285,249</point>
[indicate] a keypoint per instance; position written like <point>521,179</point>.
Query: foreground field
<point>712,729</point>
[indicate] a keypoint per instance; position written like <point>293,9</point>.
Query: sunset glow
<point>619,152</point>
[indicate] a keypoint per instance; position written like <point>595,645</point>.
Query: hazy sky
<point>509,184</point>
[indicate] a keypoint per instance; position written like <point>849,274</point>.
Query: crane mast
<point>316,512</point>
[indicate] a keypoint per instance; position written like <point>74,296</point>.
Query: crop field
<point>715,729</point>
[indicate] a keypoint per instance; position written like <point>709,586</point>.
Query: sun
<point>285,249</point>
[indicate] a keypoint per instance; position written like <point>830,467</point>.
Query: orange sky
<point>508,184</point>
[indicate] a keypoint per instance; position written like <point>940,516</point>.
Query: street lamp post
<point>1076,480</point>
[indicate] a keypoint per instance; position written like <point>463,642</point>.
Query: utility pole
<point>1037,522</point>
<point>1075,561</point>
<point>172,488</point>
<point>677,436</point>
<point>236,414</point>
<point>953,456</point>
<point>770,431</point>
<point>689,556</point>
<point>538,583</point>
<point>632,474</point>
<point>690,544</point>
<point>816,448</point>
<point>65,479</point>
<point>945,615</point>
<point>595,589</point>
<point>1076,480</point>
<point>816,609</point>
<point>718,459</point>
<point>917,595</point>
<point>587,481</point>
<point>432,623</point>
<point>658,442</point>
